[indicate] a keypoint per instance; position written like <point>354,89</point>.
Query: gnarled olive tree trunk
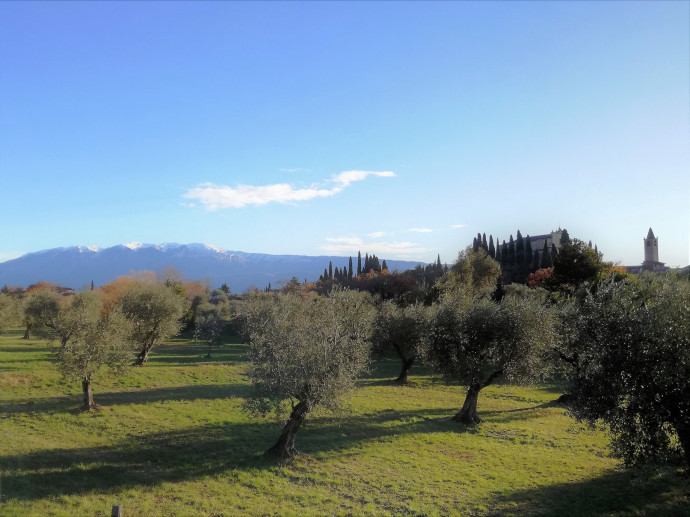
<point>468,414</point>
<point>406,365</point>
<point>88,404</point>
<point>144,354</point>
<point>285,446</point>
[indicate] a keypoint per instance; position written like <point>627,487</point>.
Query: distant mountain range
<point>77,266</point>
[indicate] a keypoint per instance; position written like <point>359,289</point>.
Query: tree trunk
<point>285,446</point>
<point>88,395</point>
<point>143,355</point>
<point>406,365</point>
<point>468,413</point>
<point>27,332</point>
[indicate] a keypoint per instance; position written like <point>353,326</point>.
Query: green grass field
<point>171,439</point>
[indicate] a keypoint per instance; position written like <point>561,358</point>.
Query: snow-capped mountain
<point>77,266</point>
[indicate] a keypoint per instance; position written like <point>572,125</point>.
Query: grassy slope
<point>172,440</point>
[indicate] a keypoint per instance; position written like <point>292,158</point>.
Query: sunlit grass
<point>172,439</point>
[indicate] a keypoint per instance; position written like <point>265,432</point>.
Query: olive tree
<point>209,325</point>
<point>88,339</point>
<point>476,341</point>
<point>634,366</point>
<point>305,350</point>
<point>10,309</point>
<point>40,309</point>
<point>403,330</point>
<point>154,311</point>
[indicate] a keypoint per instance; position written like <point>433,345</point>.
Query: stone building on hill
<point>537,241</point>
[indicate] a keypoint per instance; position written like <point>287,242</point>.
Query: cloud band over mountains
<point>215,197</point>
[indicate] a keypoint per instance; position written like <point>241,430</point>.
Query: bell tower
<point>651,254</point>
<point>651,247</point>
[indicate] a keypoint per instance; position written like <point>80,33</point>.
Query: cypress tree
<point>438,262</point>
<point>504,254</point>
<point>367,266</point>
<point>484,244</point>
<point>349,268</point>
<point>565,238</point>
<point>519,250</point>
<point>546,256</point>
<point>492,250</point>
<point>330,270</point>
<point>475,244</point>
<point>511,251</point>
<point>528,253</point>
<point>325,274</point>
<point>384,266</point>
<point>498,252</point>
<point>359,263</point>
<point>535,261</point>
<point>375,264</point>
<point>554,252</point>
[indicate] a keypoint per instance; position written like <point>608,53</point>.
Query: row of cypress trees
<point>371,263</point>
<point>517,257</point>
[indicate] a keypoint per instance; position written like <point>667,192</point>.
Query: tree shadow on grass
<point>24,349</point>
<point>175,393</point>
<point>167,355</point>
<point>191,453</point>
<point>619,492</point>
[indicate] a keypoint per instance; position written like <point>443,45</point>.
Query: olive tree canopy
<point>634,365</point>
<point>305,350</point>
<point>154,311</point>
<point>476,341</point>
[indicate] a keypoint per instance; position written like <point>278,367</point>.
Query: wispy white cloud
<point>420,230</point>
<point>345,179</point>
<point>295,169</point>
<point>376,235</point>
<point>214,197</point>
<point>457,225</point>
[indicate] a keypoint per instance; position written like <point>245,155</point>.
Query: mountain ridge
<point>77,266</point>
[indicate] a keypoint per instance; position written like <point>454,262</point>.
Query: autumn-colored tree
<point>540,277</point>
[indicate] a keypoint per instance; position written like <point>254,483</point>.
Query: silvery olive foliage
<point>91,340</point>
<point>402,329</point>
<point>475,341</point>
<point>633,346</point>
<point>154,311</point>
<point>305,349</point>
<point>10,311</point>
<point>88,340</point>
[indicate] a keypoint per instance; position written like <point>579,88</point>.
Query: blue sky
<point>400,129</point>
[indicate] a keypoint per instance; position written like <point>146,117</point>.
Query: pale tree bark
<point>88,404</point>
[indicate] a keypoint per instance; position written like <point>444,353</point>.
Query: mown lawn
<point>172,439</point>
